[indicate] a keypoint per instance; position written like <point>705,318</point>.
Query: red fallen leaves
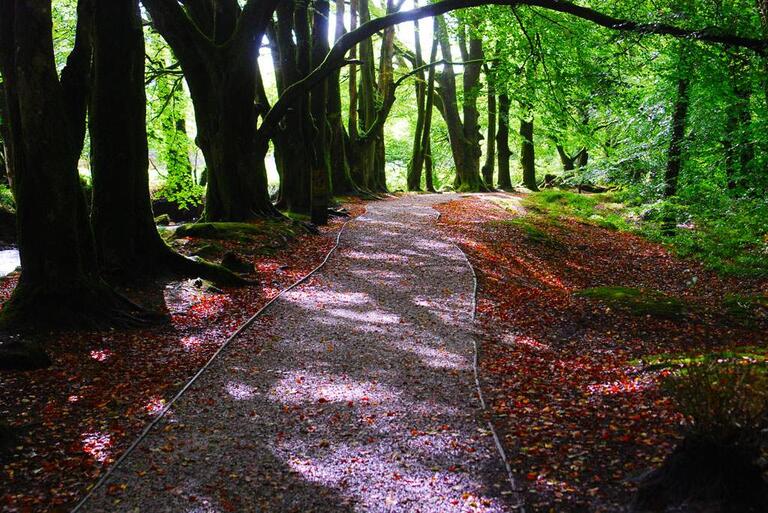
<point>579,421</point>
<point>76,417</point>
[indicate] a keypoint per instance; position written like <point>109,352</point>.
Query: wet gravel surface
<point>354,392</point>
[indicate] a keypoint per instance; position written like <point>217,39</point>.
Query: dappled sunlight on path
<point>355,392</point>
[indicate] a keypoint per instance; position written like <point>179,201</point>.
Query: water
<point>9,260</point>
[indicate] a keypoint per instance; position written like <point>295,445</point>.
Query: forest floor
<point>355,391</point>
<point>75,418</point>
<point>572,375</point>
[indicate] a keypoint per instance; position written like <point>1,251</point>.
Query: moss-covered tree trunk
<point>293,137</point>
<point>218,59</point>
<point>320,172</point>
<point>502,143</point>
<point>426,137</point>
<point>59,283</point>
<point>127,243</point>
<point>469,178</point>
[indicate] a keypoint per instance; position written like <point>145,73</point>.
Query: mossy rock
<point>208,251</point>
<point>236,264</point>
<point>242,232</point>
<point>636,301</point>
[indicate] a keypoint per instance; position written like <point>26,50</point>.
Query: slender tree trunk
<point>490,138</point>
<point>338,140</point>
<point>679,120</point>
<point>428,166</point>
<point>320,173</point>
<point>59,283</point>
<point>415,166</point>
<point>426,143</point>
<point>502,143</point>
<point>527,154</point>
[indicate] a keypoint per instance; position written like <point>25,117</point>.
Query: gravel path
<point>354,392</point>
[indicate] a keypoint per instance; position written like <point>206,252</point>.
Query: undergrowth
<point>728,235</point>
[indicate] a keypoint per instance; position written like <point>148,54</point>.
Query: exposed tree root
<point>84,303</point>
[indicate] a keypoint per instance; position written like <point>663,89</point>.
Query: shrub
<point>717,467</point>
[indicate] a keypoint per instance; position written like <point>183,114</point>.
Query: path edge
<point>520,506</point>
<point>148,428</point>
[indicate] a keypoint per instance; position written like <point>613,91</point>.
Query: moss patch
<point>746,307</point>
<point>241,232</point>
<point>636,301</point>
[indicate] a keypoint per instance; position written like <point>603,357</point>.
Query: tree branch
<point>335,57</point>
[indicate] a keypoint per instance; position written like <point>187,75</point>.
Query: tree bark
<point>527,154</point>
<point>128,246</point>
<point>292,139</point>
<point>679,120</point>
<point>59,283</point>
<point>320,173</point>
<point>490,138</point>
<point>338,140</point>
<point>416,164</point>
<point>502,143</point>
<point>222,84</point>
<point>426,143</point>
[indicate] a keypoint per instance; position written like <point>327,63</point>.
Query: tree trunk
<point>320,174</point>
<point>416,165</point>
<point>338,140</point>
<point>490,138</point>
<point>59,283</point>
<point>127,243</point>
<point>527,154</point>
<point>469,177</point>
<point>502,143</point>
<point>220,73</point>
<point>679,118</point>
<point>292,139</point>
<point>448,95</point>
<point>428,166</point>
<point>426,143</point>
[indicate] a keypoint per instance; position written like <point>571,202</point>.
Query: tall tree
<point>502,142</point>
<point>216,43</point>
<point>527,152</point>
<point>679,119</point>
<point>59,283</point>
<point>490,138</point>
<point>126,238</point>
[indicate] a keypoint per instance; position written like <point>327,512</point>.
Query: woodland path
<point>354,392</point>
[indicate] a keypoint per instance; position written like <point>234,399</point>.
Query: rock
<point>19,354</point>
<point>236,264</point>
<point>207,251</point>
<point>163,220</point>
